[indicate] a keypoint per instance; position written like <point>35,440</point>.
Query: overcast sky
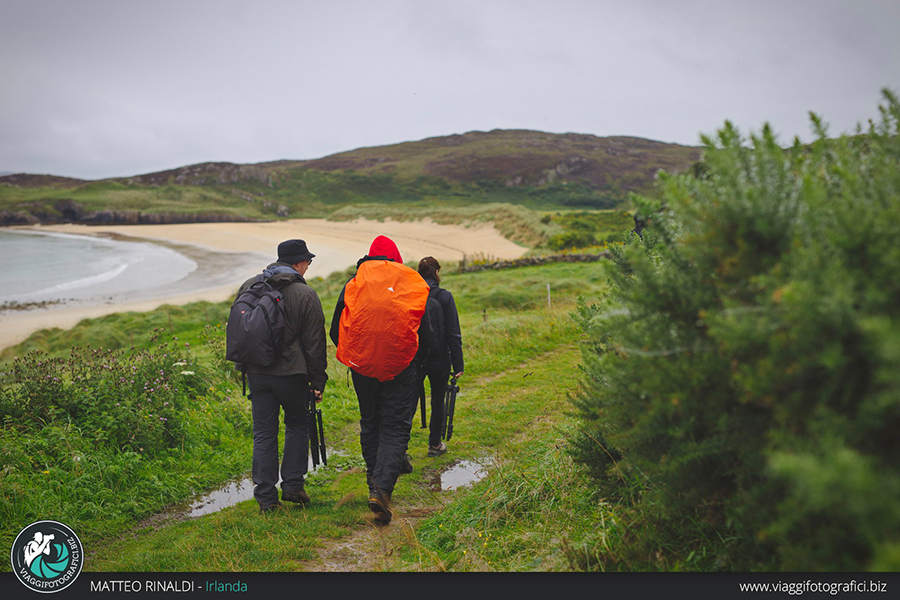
<point>106,88</point>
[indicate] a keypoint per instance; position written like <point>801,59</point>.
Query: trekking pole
<point>312,428</point>
<point>321,436</point>
<point>446,411</point>
<point>452,391</point>
<point>422,401</point>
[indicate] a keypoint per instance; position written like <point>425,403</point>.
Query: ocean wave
<point>86,281</point>
<point>80,268</point>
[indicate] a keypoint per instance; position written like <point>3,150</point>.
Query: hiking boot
<point>267,508</point>
<point>380,504</point>
<point>300,497</point>
<point>437,450</point>
<point>406,467</point>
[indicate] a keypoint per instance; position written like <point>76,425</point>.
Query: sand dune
<point>337,246</point>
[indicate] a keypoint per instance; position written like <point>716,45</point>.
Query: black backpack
<point>438,348</point>
<point>254,334</point>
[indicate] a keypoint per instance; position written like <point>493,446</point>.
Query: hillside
<point>530,168</point>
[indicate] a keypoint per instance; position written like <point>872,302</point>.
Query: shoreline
<point>229,253</point>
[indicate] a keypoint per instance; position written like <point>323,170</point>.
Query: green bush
<point>130,401</point>
<point>741,377</point>
<point>572,239</point>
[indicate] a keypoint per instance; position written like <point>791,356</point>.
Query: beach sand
<point>228,253</point>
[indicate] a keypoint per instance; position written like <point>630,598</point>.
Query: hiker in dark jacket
<point>442,363</point>
<point>386,407</point>
<point>287,383</point>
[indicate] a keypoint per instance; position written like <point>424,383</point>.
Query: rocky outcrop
<point>130,217</point>
<point>69,211</point>
<point>220,173</point>
<point>11,218</point>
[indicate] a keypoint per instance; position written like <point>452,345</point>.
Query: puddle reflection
<point>464,473</point>
<point>231,494</point>
<point>234,492</point>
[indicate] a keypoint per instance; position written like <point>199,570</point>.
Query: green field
<point>520,365</point>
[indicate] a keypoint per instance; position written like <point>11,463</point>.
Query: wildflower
<point>187,372</point>
<point>46,472</point>
<point>179,364</point>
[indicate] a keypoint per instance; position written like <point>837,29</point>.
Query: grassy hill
<point>529,168</point>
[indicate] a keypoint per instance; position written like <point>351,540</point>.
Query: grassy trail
<point>498,414</point>
<point>521,361</point>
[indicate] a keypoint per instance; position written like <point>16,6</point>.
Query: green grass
<point>63,471</point>
<point>520,365</point>
<point>123,330</point>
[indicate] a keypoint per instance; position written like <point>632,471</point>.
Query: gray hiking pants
<point>269,394</point>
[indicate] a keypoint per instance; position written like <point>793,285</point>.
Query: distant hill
<point>531,168</point>
<point>29,180</point>
<point>514,158</point>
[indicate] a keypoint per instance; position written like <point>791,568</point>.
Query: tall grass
<point>516,223</point>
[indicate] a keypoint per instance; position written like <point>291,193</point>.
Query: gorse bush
<point>584,229</point>
<point>128,400</point>
<point>741,377</point>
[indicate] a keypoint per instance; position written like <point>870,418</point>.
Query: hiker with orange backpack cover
<point>380,333</point>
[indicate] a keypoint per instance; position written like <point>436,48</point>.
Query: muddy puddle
<point>240,489</point>
<point>233,492</point>
<point>464,473</point>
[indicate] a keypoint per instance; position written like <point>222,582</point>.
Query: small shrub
<point>129,400</point>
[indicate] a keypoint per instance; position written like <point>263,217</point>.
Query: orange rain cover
<point>378,334</point>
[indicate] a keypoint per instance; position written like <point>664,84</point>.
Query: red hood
<point>384,246</point>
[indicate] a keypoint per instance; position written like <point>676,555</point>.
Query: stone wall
<point>466,267</point>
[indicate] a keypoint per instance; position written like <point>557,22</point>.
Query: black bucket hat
<point>293,251</point>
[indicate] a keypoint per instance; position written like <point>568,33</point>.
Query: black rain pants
<point>386,412</point>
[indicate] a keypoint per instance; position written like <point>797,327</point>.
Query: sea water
<point>56,267</point>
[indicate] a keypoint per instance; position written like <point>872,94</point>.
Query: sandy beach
<point>229,253</point>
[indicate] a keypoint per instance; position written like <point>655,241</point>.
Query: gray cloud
<point>103,88</point>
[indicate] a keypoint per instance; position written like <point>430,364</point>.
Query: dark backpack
<point>254,335</point>
<point>435,312</point>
